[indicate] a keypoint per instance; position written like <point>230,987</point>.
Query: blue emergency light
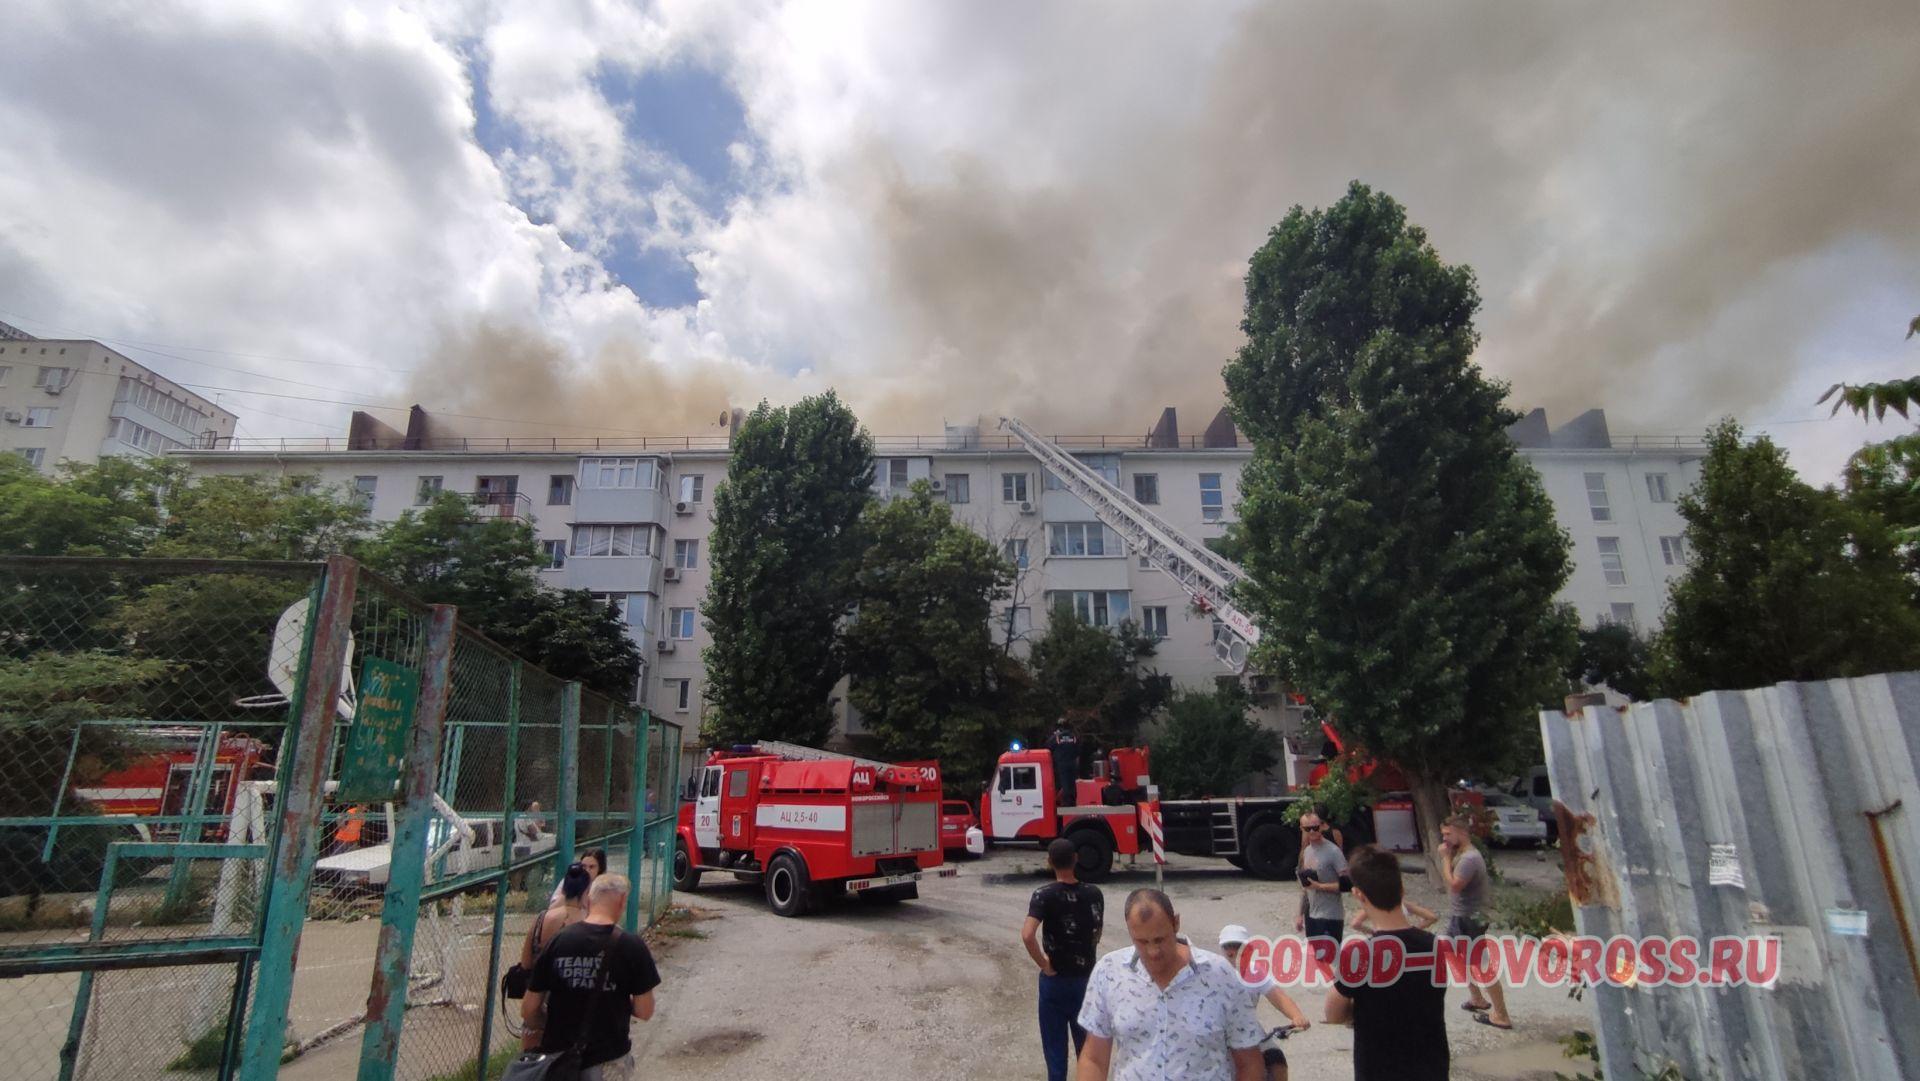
<point>1016,745</point>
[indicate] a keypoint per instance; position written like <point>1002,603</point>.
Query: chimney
<point>1531,430</point>
<point>1166,433</point>
<point>1221,432</point>
<point>367,432</point>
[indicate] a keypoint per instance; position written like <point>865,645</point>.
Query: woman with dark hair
<point>570,908</point>
<point>595,860</point>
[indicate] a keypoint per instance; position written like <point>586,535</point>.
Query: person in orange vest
<point>347,834</point>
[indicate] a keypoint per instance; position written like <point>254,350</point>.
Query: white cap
<point>1233,935</point>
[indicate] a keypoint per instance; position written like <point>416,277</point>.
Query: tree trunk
<point>1430,809</point>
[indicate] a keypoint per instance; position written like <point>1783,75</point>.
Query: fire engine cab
<point>1022,804</point>
<point>158,780</point>
<point>810,824</point>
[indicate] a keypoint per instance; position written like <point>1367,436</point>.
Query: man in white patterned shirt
<point>1163,1008</point>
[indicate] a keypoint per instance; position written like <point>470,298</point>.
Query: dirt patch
<point>713,1044</point>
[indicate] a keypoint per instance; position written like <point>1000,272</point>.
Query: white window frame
<point>618,474</point>
<point>959,487</point>
<point>5,370</point>
<point>424,492</point>
<point>633,608</point>
<point>1082,540</point>
<point>1674,550</point>
<point>35,456</point>
<point>1016,621</point>
<point>682,695</point>
<point>1598,504</point>
<point>40,416</point>
<point>1613,565</point>
<point>1015,487</point>
<point>1657,491</point>
<point>613,540</point>
<point>1216,509</point>
<point>1015,549</point>
<point>566,482</point>
<point>897,476</point>
<point>1153,621</point>
<point>686,554</point>
<point>365,488</point>
<point>556,553</point>
<point>1621,612</point>
<point>693,487</point>
<point>681,623</point>
<point>1097,607</point>
<point>1153,484</point>
<point>57,378</point>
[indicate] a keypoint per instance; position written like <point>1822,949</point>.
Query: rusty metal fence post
<point>567,805</point>
<point>637,816</point>
<point>302,798</point>
<point>400,910</point>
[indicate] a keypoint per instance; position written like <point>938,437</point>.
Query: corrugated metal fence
<point>1792,811</point>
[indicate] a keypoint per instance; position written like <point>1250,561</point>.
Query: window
<point>1015,549</point>
<point>556,551</point>
<point>680,692</point>
<point>1623,614</point>
<point>1212,499</point>
<point>612,540</point>
<point>1100,608</point>
<point>680,623</point>
<point>1013,487</point>
<point>1082,539</point>
<point>686,554</point>
<point>427,489</point>
<point>1146,488</point>
<point>33,455</point>
<point>1022,778</point>
<point>1146,564</point>
<point>496,491</point>
<point>628,473</point>
<point>559,489</point>
<point>4,372</point>
<point>40,417</point>
<point>159,403</point>
<point>1597,497</point>
<point>1673,550</point>
<point>363,488</point>
<point>896,472</point>
<point>1153,621</point>
<point>1017,621</point>
<point>1657,488</point>
<point>1107,465</point>
<point>630,607</point>
<point>55,378</point>
<point>693,487</point>
<point>1610,563</point>
<point>957,485</point>
<point>140,437</point>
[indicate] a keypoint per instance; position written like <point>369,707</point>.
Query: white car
<point>1515,822</point>
<point>449,854</point>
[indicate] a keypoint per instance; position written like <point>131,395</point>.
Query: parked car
<point>1534,790</point>
<point>1515,822</point>
<point>449,853</point>
<point>960,829</point>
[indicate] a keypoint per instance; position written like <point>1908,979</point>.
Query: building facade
<point>629,521</point>
<point>78,400</point>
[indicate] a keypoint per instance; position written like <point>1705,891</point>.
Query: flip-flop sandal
<point>1475,1007</point>
<point>1483,1019</point>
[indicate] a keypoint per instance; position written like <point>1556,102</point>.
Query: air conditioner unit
<point>937,485</point>
<point>14,416</point>
<point>666,645</point>
<point>1026,508</point>
<point>683,508</point>
<point>671,574</point>
<point>54,388</point>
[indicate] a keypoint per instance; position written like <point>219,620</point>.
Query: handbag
<point>565,1065</point>
<point>513,985</point>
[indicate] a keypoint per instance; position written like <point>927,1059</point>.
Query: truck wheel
<point>1095,854</point>
<point>1268,855</point>
<point>1238,861</point>
<point>686,878</point>
<point>789,890</point>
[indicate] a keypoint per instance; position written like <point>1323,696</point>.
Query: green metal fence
<point>265,820</point>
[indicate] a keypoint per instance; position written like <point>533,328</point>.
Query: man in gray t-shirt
<point>1466,872</point>
<point>1323,870</point>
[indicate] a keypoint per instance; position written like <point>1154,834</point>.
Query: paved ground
<point>941,988</point>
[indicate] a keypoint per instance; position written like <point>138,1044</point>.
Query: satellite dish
<point>283,663</point>
<point>723,417</point>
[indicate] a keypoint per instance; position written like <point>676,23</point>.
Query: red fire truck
<point>1021,804</point>
<point>810,824</point>
<point>158,781</point>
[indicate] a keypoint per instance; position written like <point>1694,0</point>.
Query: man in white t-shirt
<point>1163,1008</point>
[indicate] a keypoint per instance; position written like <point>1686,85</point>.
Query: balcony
<point>511,506</point>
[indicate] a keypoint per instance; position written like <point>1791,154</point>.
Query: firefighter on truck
<point>810,825</point>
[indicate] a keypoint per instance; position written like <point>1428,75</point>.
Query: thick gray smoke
<point>1664,203</point>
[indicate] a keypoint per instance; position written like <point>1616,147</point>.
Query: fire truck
<point>1022,805</point>
<point>809,825</point>
<point>159,780</point>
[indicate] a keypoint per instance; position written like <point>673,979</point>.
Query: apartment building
<point>629,520</point>
<point>78,400</point>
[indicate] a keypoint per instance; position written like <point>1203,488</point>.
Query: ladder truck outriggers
<point>1021,803</point>
<point>809,824</point>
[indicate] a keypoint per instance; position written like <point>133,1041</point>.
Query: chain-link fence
<point>151,893</point>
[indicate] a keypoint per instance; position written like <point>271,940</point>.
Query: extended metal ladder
<point>1203,573</point>
<point>814,754</point>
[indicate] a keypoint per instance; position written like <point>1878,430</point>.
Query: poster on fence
<point>382,719</point>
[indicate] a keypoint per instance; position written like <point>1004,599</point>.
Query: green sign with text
<point>382,720</point>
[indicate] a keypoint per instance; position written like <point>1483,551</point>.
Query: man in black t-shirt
<point>1399,1029</point>
<point>566,981</point>
<point>1065,747</point>
<point>1062,934</point>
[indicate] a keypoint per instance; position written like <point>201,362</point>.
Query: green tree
<point>785,546</point>
<point>446,553</point>
<point>258,517</point>
<point>1207,743</point>
<point>1784,581</point>
<point>925,670</point>
<point>1614,654</point>
<point>1096,678</point>
<point>107,510</point>
<point>1402,558</point>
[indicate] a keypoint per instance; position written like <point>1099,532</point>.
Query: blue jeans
<point>1060,998</point>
